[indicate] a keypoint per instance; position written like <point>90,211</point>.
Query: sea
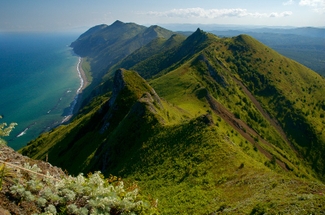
<point>38,83</point>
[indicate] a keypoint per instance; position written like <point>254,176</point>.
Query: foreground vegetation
<point>77,195</point>
<point>80,195</point>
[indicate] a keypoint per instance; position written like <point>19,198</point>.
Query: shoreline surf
<point>83,85</point>
<point>38,83</point>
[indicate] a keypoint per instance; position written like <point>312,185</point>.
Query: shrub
<point>92,194</point>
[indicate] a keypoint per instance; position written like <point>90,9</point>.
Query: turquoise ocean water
<point>38,83</point>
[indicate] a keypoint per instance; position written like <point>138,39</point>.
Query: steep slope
<point>35,187</point>
<point>15,168</point>
<point>153,48</point>
<point>167,60</point>
<point>291,93</point>
<point>104,46</point>
<point>253,82</point>
<point>229,131</point>
<point>73,146</point>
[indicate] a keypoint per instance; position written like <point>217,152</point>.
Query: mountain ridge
<point>213,115</point>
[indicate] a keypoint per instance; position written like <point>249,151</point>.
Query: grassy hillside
<point>305,45</point>
<point>189,163</point>
<point>224,125</point>
<point>290,92</point>
<point>155,47</point>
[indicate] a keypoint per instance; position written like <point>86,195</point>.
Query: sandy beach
<point>84,82</point>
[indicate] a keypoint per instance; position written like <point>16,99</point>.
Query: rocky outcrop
<point>129,90</point>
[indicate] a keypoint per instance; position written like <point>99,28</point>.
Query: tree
<point>5,130</point>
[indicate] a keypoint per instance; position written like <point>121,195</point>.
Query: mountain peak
<point>135,84</point>
<point>157,31</point>
<point>117,23</point>
<point>154,26</point>
<point>197,38</point>
<point>198,34</point>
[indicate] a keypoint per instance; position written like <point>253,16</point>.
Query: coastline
<point>83,84</point>
<point>82,75</point>
<point>38,94</point>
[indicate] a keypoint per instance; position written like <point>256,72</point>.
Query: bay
<point>38,82</point>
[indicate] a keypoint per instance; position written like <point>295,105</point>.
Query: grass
<point>296,94</point>
<point>202,172</point>
<point>178,88</point>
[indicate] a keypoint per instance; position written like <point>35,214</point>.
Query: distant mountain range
<point>205,124</point>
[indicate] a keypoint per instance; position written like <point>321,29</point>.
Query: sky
<point>65,15</point>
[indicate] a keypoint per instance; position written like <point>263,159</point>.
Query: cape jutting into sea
<point>39,81</point>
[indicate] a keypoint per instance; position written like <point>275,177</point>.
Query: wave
<point>66,118</point>
<point>22,133</point>
<point>25,130</point>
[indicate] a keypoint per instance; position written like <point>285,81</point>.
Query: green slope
<point>277,97</point>
<point>73,146</point>
<point>190,163</point>
<point>156,46</point>
<point>224,125</point>
<point>165,61</point>
<point>290,92</point>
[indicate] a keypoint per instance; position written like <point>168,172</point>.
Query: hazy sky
<point>45,15</point>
